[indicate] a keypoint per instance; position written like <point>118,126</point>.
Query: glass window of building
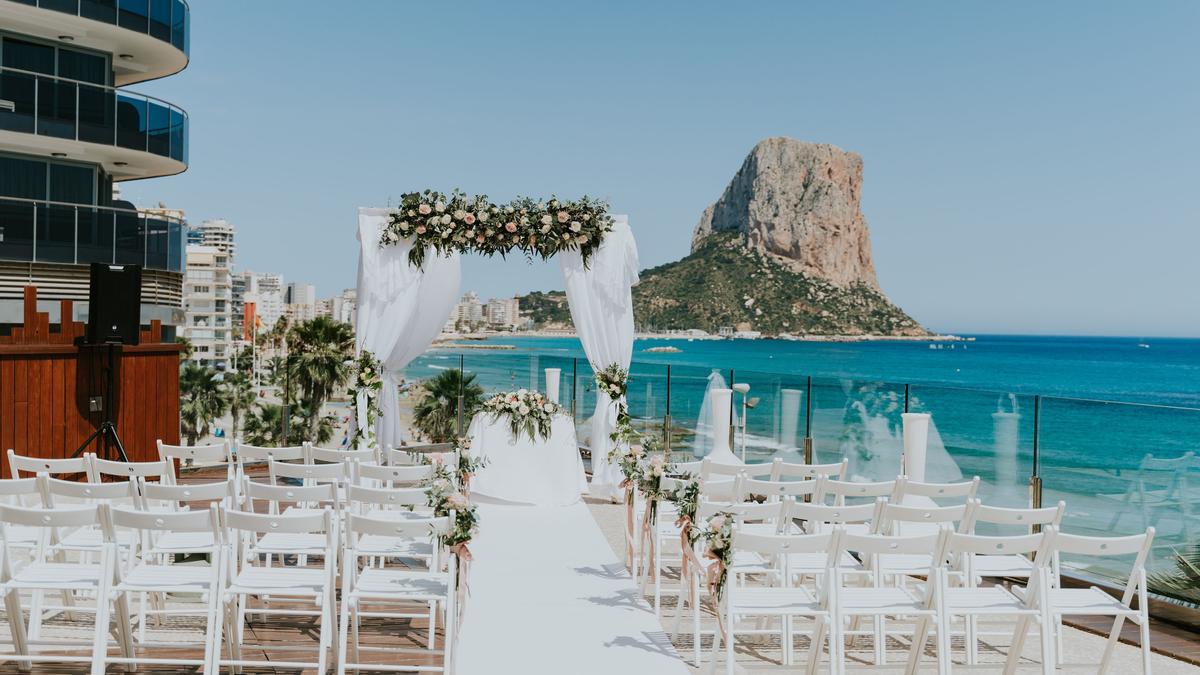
<point>82,66</point>
<point>22,178</point>
<point>31,56</point>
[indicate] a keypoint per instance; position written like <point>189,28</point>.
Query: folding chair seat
<point>392,505</point>
<point>337,456</point>
<point>1003,521</point>
<point>158,497</point>
<point>61,493</point>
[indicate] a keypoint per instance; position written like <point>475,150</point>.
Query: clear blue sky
<point>1029,167</point>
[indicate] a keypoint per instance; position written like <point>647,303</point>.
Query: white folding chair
<point>973,601</point>
<point>155,575</point>
<point>26,492</point>
<point>60,493</point>
<point>191,455</point>
<point>784,602</point>
<point>393,586</point>
<point>712,471</point>
<point>842,492</point>
<point>781,470</point>
<point>775,490</point>
<point>45,574</point>
<point>1093,601</point>
<point>307,474</point>
<point>881,597</point>
<point>297,585</point>
<point>50,466</point>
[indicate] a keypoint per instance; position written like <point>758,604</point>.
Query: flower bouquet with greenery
<point>368,380</point>
<point>717,536</point>
<point>468,464</point>
<point>528,412</point>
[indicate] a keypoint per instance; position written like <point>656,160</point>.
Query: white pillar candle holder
<point>916,445</point>
<point>722,407</point>
<point>553,376</point>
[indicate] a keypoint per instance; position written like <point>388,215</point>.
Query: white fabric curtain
<point>602,310</point>
<point>401,309</point>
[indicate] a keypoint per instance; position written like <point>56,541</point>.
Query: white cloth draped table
<point>545,472</point>
<point>602,311</point>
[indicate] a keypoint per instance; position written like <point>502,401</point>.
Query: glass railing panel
<point>160,19</point>
<point>646,397</point>
<point>131,239</point>
<point>68,6</point>
<point>99,10</point>
<point>56,108</point>
<point>860,421</point>
<point>16,230</point>
<point>979,433</point>
<point>55,234</point>
<point>1122,468</point>
<point>770,417</point>
<point>96,114</point>
<point>178,27</point>
<point>691,412</point>
<point>159,130</point>
<point>134,15</point>
<point>178,134</point>
<point>94,236</point>
<point>586,397</point>
<point>19,89</point>
<point>175,247</point>
<point>157,244</point>
<point>131,122</point>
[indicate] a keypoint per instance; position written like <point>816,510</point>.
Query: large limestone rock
<point>798,203</point>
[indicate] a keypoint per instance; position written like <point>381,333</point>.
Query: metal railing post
<point>461,402</point>
<point>1035,480</point>
<point>667,416</point>
<point>574,386</point>
<point>906,397</point>
<point>808,410</point>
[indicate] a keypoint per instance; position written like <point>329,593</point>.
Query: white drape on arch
<point>401,309</point>
<point>602,310</point>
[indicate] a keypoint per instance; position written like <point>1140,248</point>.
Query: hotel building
<point>70,130</point>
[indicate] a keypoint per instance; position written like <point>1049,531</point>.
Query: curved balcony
<point>55,232</point>
<point>147,38</point>
<point>130,134</point>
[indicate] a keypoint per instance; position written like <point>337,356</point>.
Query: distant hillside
<point>724,283</point>
<point>548,310</point>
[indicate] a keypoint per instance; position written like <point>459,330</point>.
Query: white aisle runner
<point>549,596</point>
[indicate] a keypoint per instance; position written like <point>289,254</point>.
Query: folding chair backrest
<point>54,467</point>
<point>385,497</point>
<point>932,545</point>
<point>818,516</point>
<point>387,527</point>
<point>777,489</point>
<point>745,511</point>
<point>1023,518</point>
<point>200,520</point>
<point>391,474</point>
<point>710,469</point>
<point>781,469</point>
<point>783,544</point>
<point>21,491</point>
<point>161,469</point>
<point>248,454</point>
<point>195,454</point>
<point>908,488</point>
<point>891,513</point>
<point>412,454</point>
<point>670,484</point>
<point>335,456</point>
<point>975,544</point>
<point>264,523</point>
<point>278,495</point>
<point>72,516</point>
<point>723,489</point>
<point>1151,463</point>
<point>841,490</point>
<point>222,493</point>
<point>687,468</point>
<point>1077,544</point>
<point>310,474</point>
<point>90,493</point>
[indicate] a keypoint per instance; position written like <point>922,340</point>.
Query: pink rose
<point>479,239</point>
<point>424,209</point>
<point>563,216</point>
<point>511,227</point>
<point>470,219</point>
<point>420,229</point>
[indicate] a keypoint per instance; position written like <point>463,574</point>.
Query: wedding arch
<point>408,282</point>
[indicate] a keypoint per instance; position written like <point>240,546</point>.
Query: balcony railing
<point>63,108</point>
<point>1120,467</point>
<point>55,232</point>
<point>166,20</point>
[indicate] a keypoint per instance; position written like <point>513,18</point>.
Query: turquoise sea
<point>1088,411</point>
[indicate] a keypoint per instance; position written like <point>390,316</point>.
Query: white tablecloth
<point>548,472</point>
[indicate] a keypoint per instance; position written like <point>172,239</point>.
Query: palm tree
<point>264,425</point>
<point>202,399</point>
<point>436,413</point>
<point>241,397</point>
<point>274,368</point>
<point>185,348</point>
<point>319,354</point>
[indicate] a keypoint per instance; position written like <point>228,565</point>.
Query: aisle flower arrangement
<point>467,464</point>
<point>529,413</point>
<point>444,496</point>
<point>473,224</point>
<point>718,547</point>
<point>367,381</point>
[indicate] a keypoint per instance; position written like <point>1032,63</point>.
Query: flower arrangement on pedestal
<point>367,381</point>
<point>466,224</point>
<point>528,412</point>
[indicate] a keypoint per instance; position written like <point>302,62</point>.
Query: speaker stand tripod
<point>106,434</point>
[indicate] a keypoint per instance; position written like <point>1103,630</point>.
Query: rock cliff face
<point>798,203</point>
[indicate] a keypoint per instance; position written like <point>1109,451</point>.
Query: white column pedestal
<point>722,402</point>
<point>553,375</point>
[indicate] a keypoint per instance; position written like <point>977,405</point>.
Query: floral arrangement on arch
<point>368,380</point>
<point>529,413</point>
<point>473,224</point>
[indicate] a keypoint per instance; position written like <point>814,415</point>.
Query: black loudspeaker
<point>114,307</point>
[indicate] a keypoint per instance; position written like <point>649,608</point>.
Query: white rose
<point>483,216</point>
<point>545,229</point>
<point>576,226</point>
<point>548,407</point>
<point>460,214</point>
<point>546,219</point>
<point>439,207</point>
<point>446,219</point>
<point>524,409</point>
<point>581,239</point>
